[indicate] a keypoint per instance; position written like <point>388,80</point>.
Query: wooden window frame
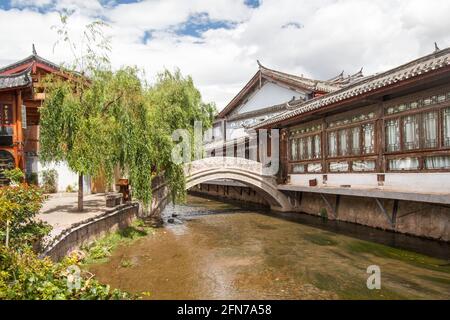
<point>379,154</point>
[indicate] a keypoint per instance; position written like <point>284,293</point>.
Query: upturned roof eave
<point>279,77</point>
<point>303,106</point>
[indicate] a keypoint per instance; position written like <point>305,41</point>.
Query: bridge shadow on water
<point>429,247</point>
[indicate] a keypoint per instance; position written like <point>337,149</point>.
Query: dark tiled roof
<point>423,65</point>
<point>314,85</point>
<point>31,58</point>
<point>16,80</point>
<point>294,81</point>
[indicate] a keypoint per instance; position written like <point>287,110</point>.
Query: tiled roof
<point>314,85</point>
<point>31,58</point>
<point>437,60</point>
<point>16,80</point>
<point>281,77</point>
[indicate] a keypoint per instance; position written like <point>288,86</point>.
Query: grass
<point>100,250</point>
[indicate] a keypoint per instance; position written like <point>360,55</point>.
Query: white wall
<point>66,176</point>
<point>270,94</point>
<point>419,182</point>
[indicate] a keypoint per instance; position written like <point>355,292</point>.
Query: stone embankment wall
<point>243,194</point>
<point>116,218</point>
<point>415,218</point>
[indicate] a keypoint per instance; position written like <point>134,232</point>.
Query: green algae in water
<point>351,289</point>
<point>438,280</point>
<point>412,258</point>
<point>320,239</point>
<point>100,250</point>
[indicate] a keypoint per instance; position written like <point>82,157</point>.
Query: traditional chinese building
<point>21,95</point>
<point>268,94</point>
<point>373,150</point>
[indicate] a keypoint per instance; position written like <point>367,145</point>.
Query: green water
<point>218,251</point>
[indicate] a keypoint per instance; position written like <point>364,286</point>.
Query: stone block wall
<point>113,219</point>
<point>414,218</point>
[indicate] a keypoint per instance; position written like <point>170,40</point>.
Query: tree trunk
<point>7,234</point>
<point>80,192</point>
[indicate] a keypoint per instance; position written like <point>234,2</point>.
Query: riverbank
<point>220,251</point>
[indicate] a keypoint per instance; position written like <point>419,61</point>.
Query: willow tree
<point>95,119</point>
<point>175,103</point>
<point>109,119</point>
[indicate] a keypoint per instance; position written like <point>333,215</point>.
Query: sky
<point>217,42</point>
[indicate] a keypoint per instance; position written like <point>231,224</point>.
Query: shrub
<point>19,206</point>
<point>32,178</point>
<point>25,277</point>
<point>49,181</point>
<point>70,189</point>
<point>15,176</point>
<point>323,213</point>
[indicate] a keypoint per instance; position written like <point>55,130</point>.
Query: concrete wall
<point>419,182</point>
<point>114,219</point>
<point>87,231</point>
<point>414,218</point>
<point>237,193</point>
<point>270,94</point>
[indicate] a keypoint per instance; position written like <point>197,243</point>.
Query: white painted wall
<point>418,182</point>
<point>270,94</point>
<point>66,176</point>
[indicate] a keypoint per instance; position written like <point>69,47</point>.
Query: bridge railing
<point>228,162</point>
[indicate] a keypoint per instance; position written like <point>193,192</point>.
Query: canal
<point>214,250</point>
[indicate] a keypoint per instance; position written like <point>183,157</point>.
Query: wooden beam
<point>383,210</point>
<point>330,207</point>
<point>19,141</point>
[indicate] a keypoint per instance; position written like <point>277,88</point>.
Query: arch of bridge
<point>248,172</point>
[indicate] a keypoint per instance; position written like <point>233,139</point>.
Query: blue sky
<point>219,41</point>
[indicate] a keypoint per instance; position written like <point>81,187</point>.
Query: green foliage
<point>175,103</point>
<point>32,178</point>
<point>100,250</point>
<point>70,189</point>
<point>323,213</point>
<point>15,175</point>
<point>25,277</point>
<point>19,206</point>
<point>112,119</point>
<point>49,181</point>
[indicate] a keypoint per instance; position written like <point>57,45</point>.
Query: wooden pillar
<point>283,173</point>
<point>19,131</point>
<point>379,140</point>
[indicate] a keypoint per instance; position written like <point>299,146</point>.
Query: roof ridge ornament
<point>436,48</point>
<point>259,64</point>
<point>34,50</point>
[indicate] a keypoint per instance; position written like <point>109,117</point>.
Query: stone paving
<point>60,210</point>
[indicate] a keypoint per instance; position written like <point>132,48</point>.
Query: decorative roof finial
<point>34,50</point>
<point>436,48</point>
<point>259,64</point>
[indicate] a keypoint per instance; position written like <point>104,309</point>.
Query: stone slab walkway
<point>60,210</point>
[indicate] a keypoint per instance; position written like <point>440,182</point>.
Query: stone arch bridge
<point>248,172</point>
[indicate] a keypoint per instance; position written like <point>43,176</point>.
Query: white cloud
<point>329,36</point>
<point>35,3</point>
